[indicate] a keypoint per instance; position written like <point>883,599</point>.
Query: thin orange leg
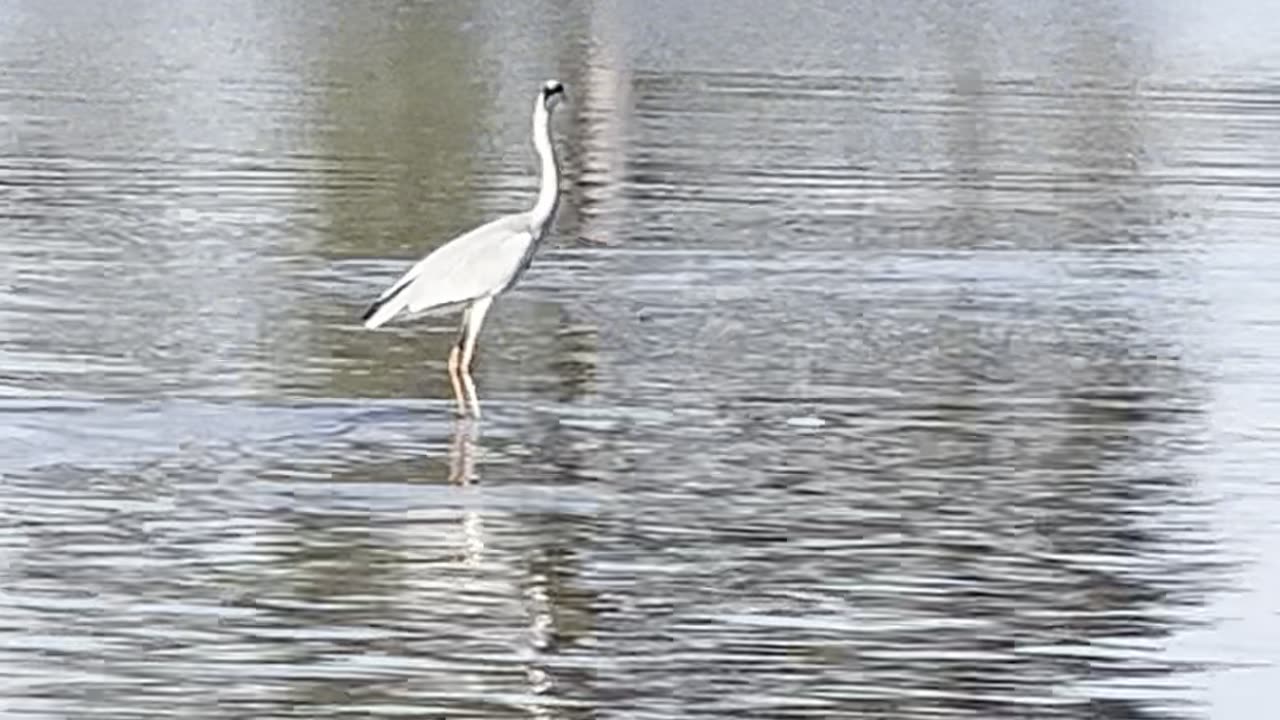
<point>455,355</point>
<point>474,320</point>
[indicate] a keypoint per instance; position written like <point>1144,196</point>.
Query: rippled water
<point>912,360</point>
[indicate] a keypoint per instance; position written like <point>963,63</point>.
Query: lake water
<point>889,360</point>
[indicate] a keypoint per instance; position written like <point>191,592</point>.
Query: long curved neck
<point>549,192</point>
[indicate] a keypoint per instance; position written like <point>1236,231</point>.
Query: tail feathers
<point>385,307</point>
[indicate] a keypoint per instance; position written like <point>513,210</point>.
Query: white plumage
<point>481,263</point>
<point>472,269</point>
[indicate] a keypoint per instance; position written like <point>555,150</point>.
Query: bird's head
<point>552,92</point>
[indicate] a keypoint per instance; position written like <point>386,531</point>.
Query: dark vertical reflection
<point>401,122</point>
<point>393,92</point>
<point>1038,410</point>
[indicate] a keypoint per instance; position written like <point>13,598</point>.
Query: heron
<point>473,269</point>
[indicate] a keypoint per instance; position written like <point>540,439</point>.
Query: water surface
<point>909,361</point>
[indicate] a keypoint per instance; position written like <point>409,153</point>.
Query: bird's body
<point>469,271</point>
<point>448,277</point>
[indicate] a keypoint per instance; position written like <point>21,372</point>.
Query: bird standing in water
<point>469,271</point>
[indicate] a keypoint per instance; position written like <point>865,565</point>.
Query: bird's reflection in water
<point>538,604</point>
<point>462,473</point>
<point>541,629</point>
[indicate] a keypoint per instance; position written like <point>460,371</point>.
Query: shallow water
<point>913,361</point>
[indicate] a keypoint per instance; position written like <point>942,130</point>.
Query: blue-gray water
<point>890,360</point>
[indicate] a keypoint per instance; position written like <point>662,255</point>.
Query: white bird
<point>469,271</point>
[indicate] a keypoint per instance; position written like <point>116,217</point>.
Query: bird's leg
<point>455,364</point>
<point>455,353</point>
<point>474,319</point>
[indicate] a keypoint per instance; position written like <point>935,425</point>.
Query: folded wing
<point>471,266</point>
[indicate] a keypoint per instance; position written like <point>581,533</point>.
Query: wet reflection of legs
<point>462,473</point>
<point>541,637</point>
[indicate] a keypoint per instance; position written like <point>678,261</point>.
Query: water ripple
<point>903,361</point>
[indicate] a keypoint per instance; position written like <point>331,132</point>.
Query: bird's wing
<point>479,263</point>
